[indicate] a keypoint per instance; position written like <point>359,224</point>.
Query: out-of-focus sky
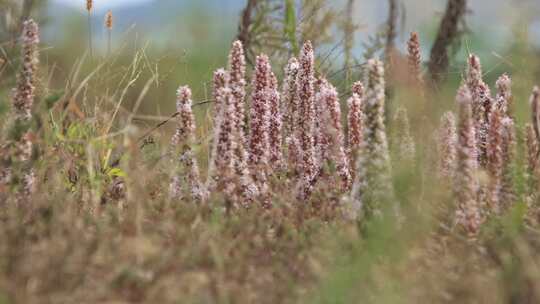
<point>492,22</point>
<point>102,4</point>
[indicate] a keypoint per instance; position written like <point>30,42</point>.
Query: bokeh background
<point>184,41</point>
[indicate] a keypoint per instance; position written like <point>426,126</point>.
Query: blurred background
<point>184,41</point>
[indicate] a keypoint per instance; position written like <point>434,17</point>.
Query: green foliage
<point>52,98</point>
<point>290,24</point>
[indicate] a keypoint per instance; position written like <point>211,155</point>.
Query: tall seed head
<point>415,58</point>
<point>109,20</point>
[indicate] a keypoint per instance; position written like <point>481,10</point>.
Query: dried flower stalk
<point>414,57</point>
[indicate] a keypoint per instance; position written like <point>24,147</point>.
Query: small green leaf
<point>116,172</point>
<point>52,98</point>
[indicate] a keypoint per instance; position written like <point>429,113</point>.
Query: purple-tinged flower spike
<point>504,94</point>
<point>509,145</point>
<point>358,89</point>
<point>373,185</point>
<point>23,95</point>
<point>532,159</point>
<point>448,140</point>
<point>237,73</point>
<point>535,111</point>
<point>290,107</point>
<point>403,141</point>
<point>481,107</point>
<point>23,100</point>
<point>414,57</point>
<point>288,96</point>
<point>305,85</point>
<point>186,180</point>
<point>276,124</point>
<point>495,164</point>
<point>332,131</point>
<point>221,168</point>
<point>467,216</point>
<point>321,137</point>
<point>219,81</point>
<point>355,121</point>
<point>260,123</point>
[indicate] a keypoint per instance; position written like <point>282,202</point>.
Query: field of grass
<point>268,181</point>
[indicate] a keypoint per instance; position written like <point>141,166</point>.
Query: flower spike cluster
<point>481,106</point>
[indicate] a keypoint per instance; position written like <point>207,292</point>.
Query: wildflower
<point>275,124</point>
<point>23,95</point>
<point>535,111</point>
<point>495,161</point>
<point>415,59</point>
<point>355,121</point>
<point>237,74</point>
<point>219,81</point>
<point>372,185</point>
<point>221,169</point>
<point>403,140</point>
<point>187,171</point>
<point>481,106</point>
<point>305,85</point>
<point>358,89</point>
<point>290,108</point>
<point>332,131</point>
<point>288,95</point>
<point>23,101</point>
<point>467,215</point>
<point>448,140</point>
<point>532,158</point>
<point>504,94</point>
<point>259,122</point>
<point>509,151</point>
